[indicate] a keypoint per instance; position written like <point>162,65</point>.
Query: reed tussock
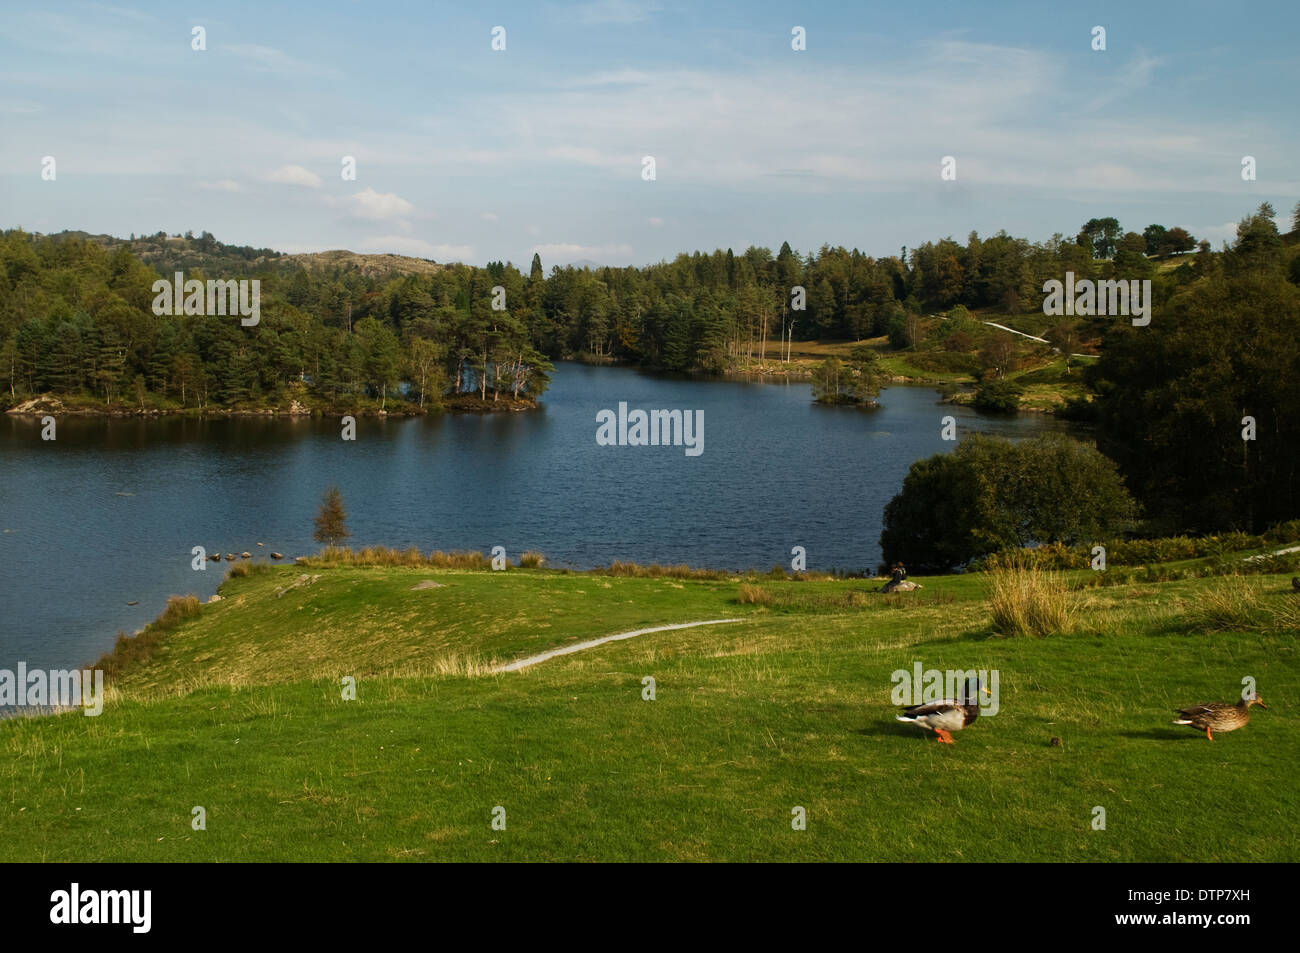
<point>1025,599</point>
<point>130,650</point>
<point>385,557</point>
<point>1235,603</point>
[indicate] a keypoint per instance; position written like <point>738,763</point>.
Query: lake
<point>108,513</point>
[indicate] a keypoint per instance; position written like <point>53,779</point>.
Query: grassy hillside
<point>240,712</point>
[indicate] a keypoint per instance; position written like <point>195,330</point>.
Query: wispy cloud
<point>295,175</point>
<point>269,59</point>
<point>1129,80</point>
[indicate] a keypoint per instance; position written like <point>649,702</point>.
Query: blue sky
<point>468,154</point>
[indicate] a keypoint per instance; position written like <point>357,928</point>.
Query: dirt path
<point>591,643</point>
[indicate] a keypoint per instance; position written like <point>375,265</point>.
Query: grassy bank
<point>1047,383</point>
<point>239,710</point>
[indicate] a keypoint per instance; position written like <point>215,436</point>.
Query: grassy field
<point>240,712</point>
<point>1046,381</point>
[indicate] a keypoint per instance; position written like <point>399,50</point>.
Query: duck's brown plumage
<point>1218,716</point>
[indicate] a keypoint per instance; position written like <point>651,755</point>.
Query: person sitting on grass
<point>895,577</point>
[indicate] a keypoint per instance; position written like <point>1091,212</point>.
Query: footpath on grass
<point>591,643</point>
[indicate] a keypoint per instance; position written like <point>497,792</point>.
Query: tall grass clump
<point>371,557</point>
<point>1025,599</point>
<point>531,560</point>
<point>1235,603</point>
<point>657,571</point>
<point>130,650</point>
<point>239,570</point>
<point>753,595</point>
<point>468,559</point>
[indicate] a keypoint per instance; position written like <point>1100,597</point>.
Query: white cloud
<point>1009,115</point>
<point>379,206</point>
<point>655,220</point>
<point>415,247</point>
<point>295,175</point>
<point>222,185</point>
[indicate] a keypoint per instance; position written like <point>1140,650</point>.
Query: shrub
<point>1140,552</point>
<point>531,560</point>
<point>991,494</point>
<point>1078,409</point>
<point>998,397</point>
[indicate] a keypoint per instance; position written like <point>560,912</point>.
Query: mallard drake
<point>948,715</point>
<point>1219,716</point>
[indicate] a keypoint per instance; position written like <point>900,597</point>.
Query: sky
<point>466,153</point>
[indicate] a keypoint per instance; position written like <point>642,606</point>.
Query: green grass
<point>789,707</point>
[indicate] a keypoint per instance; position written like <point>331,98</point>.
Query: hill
<point>369,265</point>
<point>185,253</point>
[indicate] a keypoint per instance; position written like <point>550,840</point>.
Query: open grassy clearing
<point>790,707</point>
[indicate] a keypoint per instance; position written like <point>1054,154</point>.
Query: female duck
<point>1219,716</point>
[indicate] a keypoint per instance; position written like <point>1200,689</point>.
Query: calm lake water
<point>108,513</point>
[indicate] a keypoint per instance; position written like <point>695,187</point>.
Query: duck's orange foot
<point>943,736</point>
<point>1208,735</point>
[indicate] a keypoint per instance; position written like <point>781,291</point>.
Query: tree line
<point>75,314</point>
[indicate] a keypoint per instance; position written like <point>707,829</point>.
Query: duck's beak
<point>1260,704</point>
<point>985,690</point>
